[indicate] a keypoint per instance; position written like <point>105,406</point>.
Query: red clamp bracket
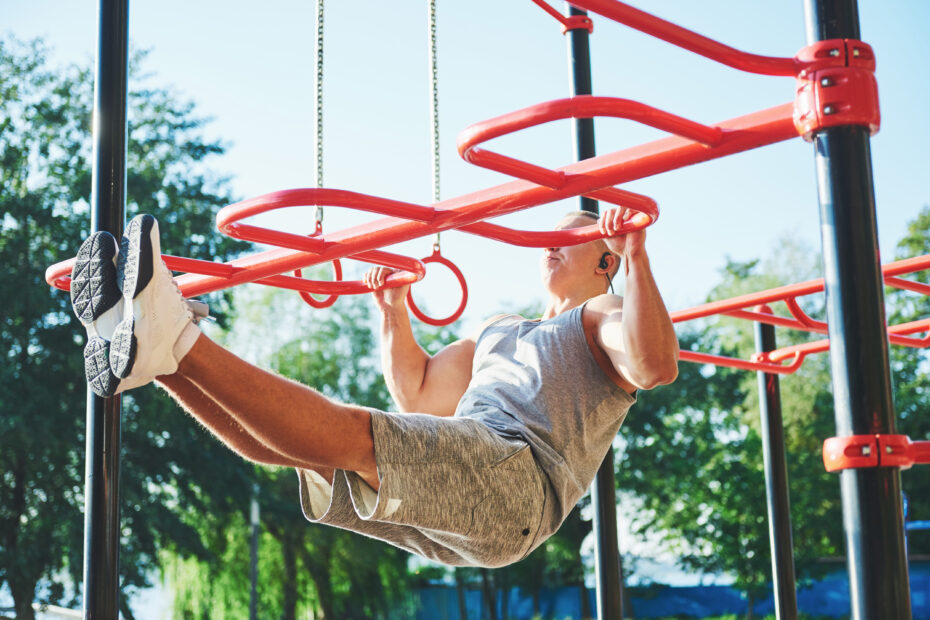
<point>859,451</point>
<point>836,87</point>
<point>569,22</point>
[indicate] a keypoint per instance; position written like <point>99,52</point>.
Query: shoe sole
<point>94,291</point>
<point>134,272</point>
<point>97,368</point>
<point>94,283</point>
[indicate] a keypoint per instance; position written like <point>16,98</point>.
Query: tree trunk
<point>487,590</point>
<point>23,595</point>
<point>317,568</point>
<point>124,608</point>
<point>22,587</point>
<point>751,601</point>
<point>290,577</point>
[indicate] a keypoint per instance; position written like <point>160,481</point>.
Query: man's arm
<point>636,332</point>
<point>417,381</point>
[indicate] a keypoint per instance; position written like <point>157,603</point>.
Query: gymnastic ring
<point>436,257</point>
<point>322,303</point>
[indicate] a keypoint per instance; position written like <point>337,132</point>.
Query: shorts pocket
<point>507,522</point>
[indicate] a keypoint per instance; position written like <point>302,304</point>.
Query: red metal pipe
<point>775,361</point>
<point>690,40</point>
<point>896,268</point>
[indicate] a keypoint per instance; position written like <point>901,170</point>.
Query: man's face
<point>567,268</point>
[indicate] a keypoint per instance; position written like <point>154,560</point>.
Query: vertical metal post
<point>872,510</point>
<point>776,481</point>
<point>108,200</point>
<point>606,549</point>
<point>603,493</point>
<point>254,523</point>
<point>579,54</point>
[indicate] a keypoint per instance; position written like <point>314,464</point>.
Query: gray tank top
<point>539,381</point>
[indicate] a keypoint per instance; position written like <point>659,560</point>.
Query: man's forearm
<point>403,361</point>
<point>649,338</point>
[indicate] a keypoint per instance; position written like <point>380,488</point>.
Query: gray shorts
<point>451,491</point>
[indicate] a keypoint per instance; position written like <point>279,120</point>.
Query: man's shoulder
<point>604,303</point>
<point>487,323</point>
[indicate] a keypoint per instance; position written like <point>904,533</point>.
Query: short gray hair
<point>594,216</point>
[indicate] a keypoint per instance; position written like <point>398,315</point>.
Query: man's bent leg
<point>289,418</point>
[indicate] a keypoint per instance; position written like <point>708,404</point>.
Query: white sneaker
<point>158,327</point>
<point>95,298</point>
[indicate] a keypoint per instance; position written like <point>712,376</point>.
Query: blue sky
<point>250,67</point>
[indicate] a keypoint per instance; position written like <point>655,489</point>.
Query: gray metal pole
<point>254,523</point>
<point>776,481</point>
<point>873,516</point>
<point>108,200</point>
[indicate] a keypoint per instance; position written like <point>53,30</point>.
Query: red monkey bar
<point>597,177</point>
<point>786,360</point>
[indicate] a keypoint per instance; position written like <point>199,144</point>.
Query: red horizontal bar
<point>734,362</point>
<point>908,265</point>
<point>908,285</point>
<point>690,40</point>
<point>584,106</point>
<point>773,361</point>
<point>740,134</point>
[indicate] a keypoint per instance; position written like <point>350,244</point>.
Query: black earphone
<point>603,265</point>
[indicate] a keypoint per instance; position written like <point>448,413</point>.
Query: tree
<point>45,146</point>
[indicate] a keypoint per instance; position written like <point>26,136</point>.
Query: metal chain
<point>318,143</point>
<point>434,110</point>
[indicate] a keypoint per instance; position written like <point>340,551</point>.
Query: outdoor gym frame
<point>835,107</point>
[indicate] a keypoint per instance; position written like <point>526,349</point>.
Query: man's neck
<point>559,304</point>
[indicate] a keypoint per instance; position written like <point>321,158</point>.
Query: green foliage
<point>45,181</point>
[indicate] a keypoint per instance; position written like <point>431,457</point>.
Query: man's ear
<point>607,263</point>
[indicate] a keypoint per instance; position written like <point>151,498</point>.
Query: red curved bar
<point>757,129</point>
<point>740,134</point>
<point>584,106</point>
<point>436,257</point>
<point>59,274</point>
<point>788,359</point>
<point>690,40</point>
<point>648,213</point>
<point>412,270</point>
<point>228,220</point>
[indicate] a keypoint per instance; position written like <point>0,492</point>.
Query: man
<point>509,428</point>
